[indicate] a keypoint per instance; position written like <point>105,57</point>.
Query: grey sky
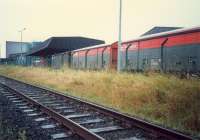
<point>92,18</point>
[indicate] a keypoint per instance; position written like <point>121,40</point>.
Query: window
<point>192,60</point>
<point>128,62</point>
<point>145,61</point>
<point>178,63</point>
<point>155,61</point>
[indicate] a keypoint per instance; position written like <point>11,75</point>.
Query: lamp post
<point>120,38</point>
<point>21,33</point>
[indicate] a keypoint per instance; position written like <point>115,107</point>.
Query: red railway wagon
<point>173,51</point>
<point>95,57</point>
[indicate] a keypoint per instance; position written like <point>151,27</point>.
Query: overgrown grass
<point>163,99</point>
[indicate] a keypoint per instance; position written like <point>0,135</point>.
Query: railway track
<point>78,117</point>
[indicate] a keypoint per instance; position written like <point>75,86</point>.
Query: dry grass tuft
<point>164,99</point>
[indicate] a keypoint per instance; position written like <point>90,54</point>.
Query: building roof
<point>95,47</point>
<point>158,29</point>
<point>166,34</point>
<point>56,45</point>
<point>91,47</point>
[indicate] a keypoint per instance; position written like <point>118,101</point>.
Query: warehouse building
<point>48,50</point>
<point>15,51</point>
<point>14,48</point>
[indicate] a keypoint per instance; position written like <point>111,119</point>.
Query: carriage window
<point>192,60</point>
<point>145,61</point>
<point>155,61</point>
<point>178,63</point>
<point>128,62</point>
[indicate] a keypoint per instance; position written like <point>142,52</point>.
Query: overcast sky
<point>92,18</point>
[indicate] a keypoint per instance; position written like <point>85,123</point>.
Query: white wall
<point>2,50</point>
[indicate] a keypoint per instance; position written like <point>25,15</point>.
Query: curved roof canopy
<point>56,45</point>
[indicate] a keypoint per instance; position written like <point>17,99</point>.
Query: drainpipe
<point>86,58</point>
<point>127,55</point>
<point>103,56</point>
<point>78,60</point>
<point>70,59</point>
<point>138,55</point>
<point>162,54</point>
<point>97,58</point>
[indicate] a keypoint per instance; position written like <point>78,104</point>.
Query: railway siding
<point>20,119</point>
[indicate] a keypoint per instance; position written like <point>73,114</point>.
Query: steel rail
<point>74,127</point>
<point>157,130</point>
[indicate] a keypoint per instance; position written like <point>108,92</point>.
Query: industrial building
<point>47,50</point>
<point>40,53</point>
<point>16,51</point>
<point>14,48</point>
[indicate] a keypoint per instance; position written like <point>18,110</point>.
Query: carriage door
<point>145,63</point>
<point>192,64</point>
<point>114,58</point>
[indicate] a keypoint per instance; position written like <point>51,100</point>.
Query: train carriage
<point>96,57</point>
<point>174,51</point>
<point>170,51</point>
<point>60,60</point>
<point>75,60</point>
